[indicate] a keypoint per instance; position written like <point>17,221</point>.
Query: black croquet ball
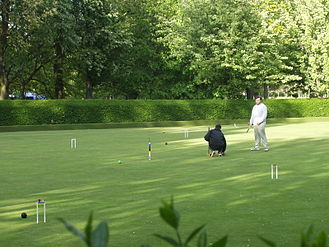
<point>23,215</point>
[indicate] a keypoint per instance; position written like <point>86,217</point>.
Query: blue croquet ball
<point>23,215</point>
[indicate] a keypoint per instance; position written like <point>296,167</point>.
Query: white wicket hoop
<point>44,210</point>
<point>74,143</point>
<point>274,171</point>
<point>186,133</point>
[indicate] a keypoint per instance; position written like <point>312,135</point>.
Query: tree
<point>139,70</point>
<point>216,42</point>
<point>4,82</point>
<point>64,40</point>
<point>101,33</point>
<point>22,53</point>
<point>308,21</point>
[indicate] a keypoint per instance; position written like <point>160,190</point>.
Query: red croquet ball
<point>166,143</point>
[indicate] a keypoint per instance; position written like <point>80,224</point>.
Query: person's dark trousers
<point>219,148</point>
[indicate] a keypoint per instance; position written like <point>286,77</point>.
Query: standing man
<point>258,121</point>
<point>216,140</point>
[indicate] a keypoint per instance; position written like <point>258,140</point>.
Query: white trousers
<point>260,135</point>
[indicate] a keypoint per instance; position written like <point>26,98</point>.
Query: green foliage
<point>297,108</point>
<point>216,44</point>
<point>102,32</point>
<point>99,237</point>
<point>172,217</point>
<point>169,214</point>
<point>311,18</point>
<point>152,49</point>
<point>109,111</point>
<point>308,239</point>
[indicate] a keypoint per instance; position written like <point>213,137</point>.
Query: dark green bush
<point>38,112</point>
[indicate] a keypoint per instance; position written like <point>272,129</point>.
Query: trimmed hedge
<point>39,112</point>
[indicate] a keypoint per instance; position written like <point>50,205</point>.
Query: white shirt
<point>258,114</point>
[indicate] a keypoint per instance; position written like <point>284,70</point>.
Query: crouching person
<point>216,140</point>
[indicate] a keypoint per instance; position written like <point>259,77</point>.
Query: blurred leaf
<point>72,229</point>
<point>221,242</point>
<point>169,214</point>
<point>321,240</point>
<point>310,240</point>
<point>202,240</point>
<point>170,240</point>
<point>89,228</point>
<point>192,235</point>
<point>310,231</point>
<point>268,242</point>
<point>304,240</point>
<point>307,237</point>
<point>100,236</point>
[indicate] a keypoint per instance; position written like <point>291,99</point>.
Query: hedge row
<point>38,112</point>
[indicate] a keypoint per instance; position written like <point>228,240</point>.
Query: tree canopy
<point>168,49</point>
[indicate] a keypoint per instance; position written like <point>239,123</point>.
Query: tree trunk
<point>250,93</point>
<point>3,88</point>
<point>266,89</point>
<point>89,87</point>
<point>59,82</point>
<point>22,91</point>
<point>4,82</point>
<point>58,71</point>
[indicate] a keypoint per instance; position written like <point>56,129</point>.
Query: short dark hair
<point>259,97</point>
<point>218,126</point>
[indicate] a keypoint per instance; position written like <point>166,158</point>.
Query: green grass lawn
<point>234,195</point>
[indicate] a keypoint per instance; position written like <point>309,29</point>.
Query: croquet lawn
<point>233,195</point>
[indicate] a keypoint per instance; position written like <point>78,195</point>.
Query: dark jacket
<point>216,139</point>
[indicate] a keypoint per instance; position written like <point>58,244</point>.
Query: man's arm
<point>264,114</point>
<point>252,116</point>
<point>206,137</point>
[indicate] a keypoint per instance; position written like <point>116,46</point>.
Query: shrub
<point>39,112</point>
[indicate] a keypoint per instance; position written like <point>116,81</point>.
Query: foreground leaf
<point>221,242</point>
<point>89,228</point>
<point>202,241</point>
<point>169,240</point>
<point>100,236</point>
<point>169,214</point>
<point>308,237</point>
<point>192,235</point>
<point>321,240</point>
<point>72,229</point>
<point>268,242</point>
